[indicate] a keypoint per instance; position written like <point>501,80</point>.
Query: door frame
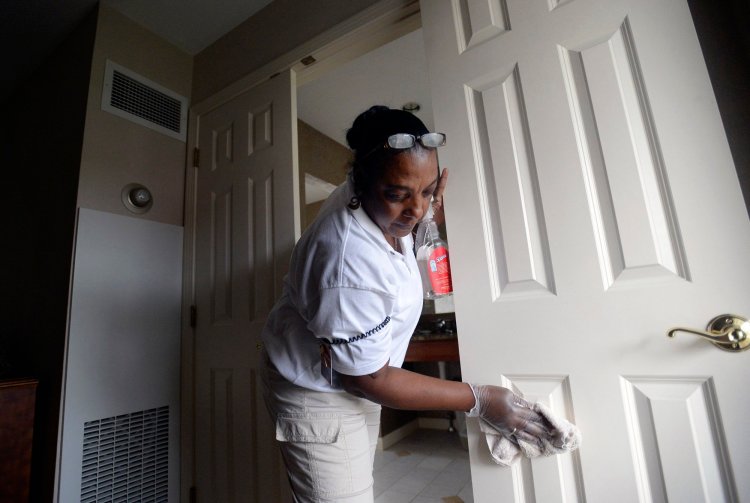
<point>372,27</point>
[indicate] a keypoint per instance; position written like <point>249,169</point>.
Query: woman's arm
<point>402,389</point>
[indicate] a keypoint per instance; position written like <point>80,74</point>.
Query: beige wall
<point>323,158</point>
<point>267,35</point>
<point>116,151</point>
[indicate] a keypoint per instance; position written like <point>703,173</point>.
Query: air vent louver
<point>133,97</point>
<point>126,458</point>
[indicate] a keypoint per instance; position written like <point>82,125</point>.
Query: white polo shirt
<point>346,288</point>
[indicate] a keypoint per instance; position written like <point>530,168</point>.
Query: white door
<point>593,205</point>
<point>247,222</point>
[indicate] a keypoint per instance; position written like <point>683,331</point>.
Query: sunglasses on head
<point>401,141</point>
<point>405,140</point>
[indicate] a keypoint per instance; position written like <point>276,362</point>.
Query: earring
<point>354,203</point>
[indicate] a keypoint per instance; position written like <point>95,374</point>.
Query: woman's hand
<point>437,198</point>
<point>510,414</point>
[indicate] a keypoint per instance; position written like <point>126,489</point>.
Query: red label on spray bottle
<point>439,269</point>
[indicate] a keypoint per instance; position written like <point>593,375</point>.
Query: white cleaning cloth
<point>505,449</point>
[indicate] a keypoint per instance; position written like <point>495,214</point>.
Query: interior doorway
<point>416,450</point>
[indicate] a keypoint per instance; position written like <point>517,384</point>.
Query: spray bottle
<point>432,258</point>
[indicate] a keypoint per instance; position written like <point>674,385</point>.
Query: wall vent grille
<point>126,458</point>
<point>133,97</point>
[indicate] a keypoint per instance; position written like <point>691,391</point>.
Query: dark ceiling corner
<point>30,31</point>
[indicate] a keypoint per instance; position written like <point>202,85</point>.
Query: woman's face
<point>400,198</point>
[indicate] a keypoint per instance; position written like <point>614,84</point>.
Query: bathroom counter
<point>432,348</point>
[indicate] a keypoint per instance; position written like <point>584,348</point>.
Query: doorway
<point>420,455</point>
<point>556,110</point>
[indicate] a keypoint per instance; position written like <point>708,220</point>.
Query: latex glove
<point>509,414</point>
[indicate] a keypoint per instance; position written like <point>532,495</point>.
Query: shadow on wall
<point>42,139</point>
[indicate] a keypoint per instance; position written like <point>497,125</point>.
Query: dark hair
<point>370,131</point>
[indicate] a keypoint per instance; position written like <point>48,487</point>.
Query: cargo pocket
<point>312,428</point>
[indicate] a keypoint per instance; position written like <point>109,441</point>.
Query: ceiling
<point>31,29</point>
<point>391,75</point>
<point>191,25</point>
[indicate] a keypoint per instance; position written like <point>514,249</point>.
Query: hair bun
<point>360,135</point>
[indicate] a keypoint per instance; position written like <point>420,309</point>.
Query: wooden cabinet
<point>17,402</point>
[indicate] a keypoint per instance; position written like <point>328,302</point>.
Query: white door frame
<point>385,21</point>
<point>375,26</point>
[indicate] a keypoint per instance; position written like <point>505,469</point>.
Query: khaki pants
<point>327,440</point>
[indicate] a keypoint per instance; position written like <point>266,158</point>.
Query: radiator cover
<point>126,457</point>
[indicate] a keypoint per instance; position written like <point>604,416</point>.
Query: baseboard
<point>428,423</point>
<point>434,423</point>
<point>387,440</point>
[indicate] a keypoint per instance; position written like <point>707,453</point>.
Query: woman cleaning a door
<point>335,341</point>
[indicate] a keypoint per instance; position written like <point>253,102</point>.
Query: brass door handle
<point>727,331</point>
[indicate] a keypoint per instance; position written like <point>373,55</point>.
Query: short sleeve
<point>356,323</point>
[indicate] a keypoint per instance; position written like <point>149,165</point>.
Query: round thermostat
<point>137,198</point>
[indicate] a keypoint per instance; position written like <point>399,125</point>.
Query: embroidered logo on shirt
<point>367,334</point>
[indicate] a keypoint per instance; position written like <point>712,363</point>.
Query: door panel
<point>661,414</point>
<point>246,225</point>
<point>557,478</point>
<point>593,206</point>
<point>518,251</point>
<point>630,201</point>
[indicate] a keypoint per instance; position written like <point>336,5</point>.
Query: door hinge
<point>193,495</point>
<point>196,157</point>
<point>193,316</point>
